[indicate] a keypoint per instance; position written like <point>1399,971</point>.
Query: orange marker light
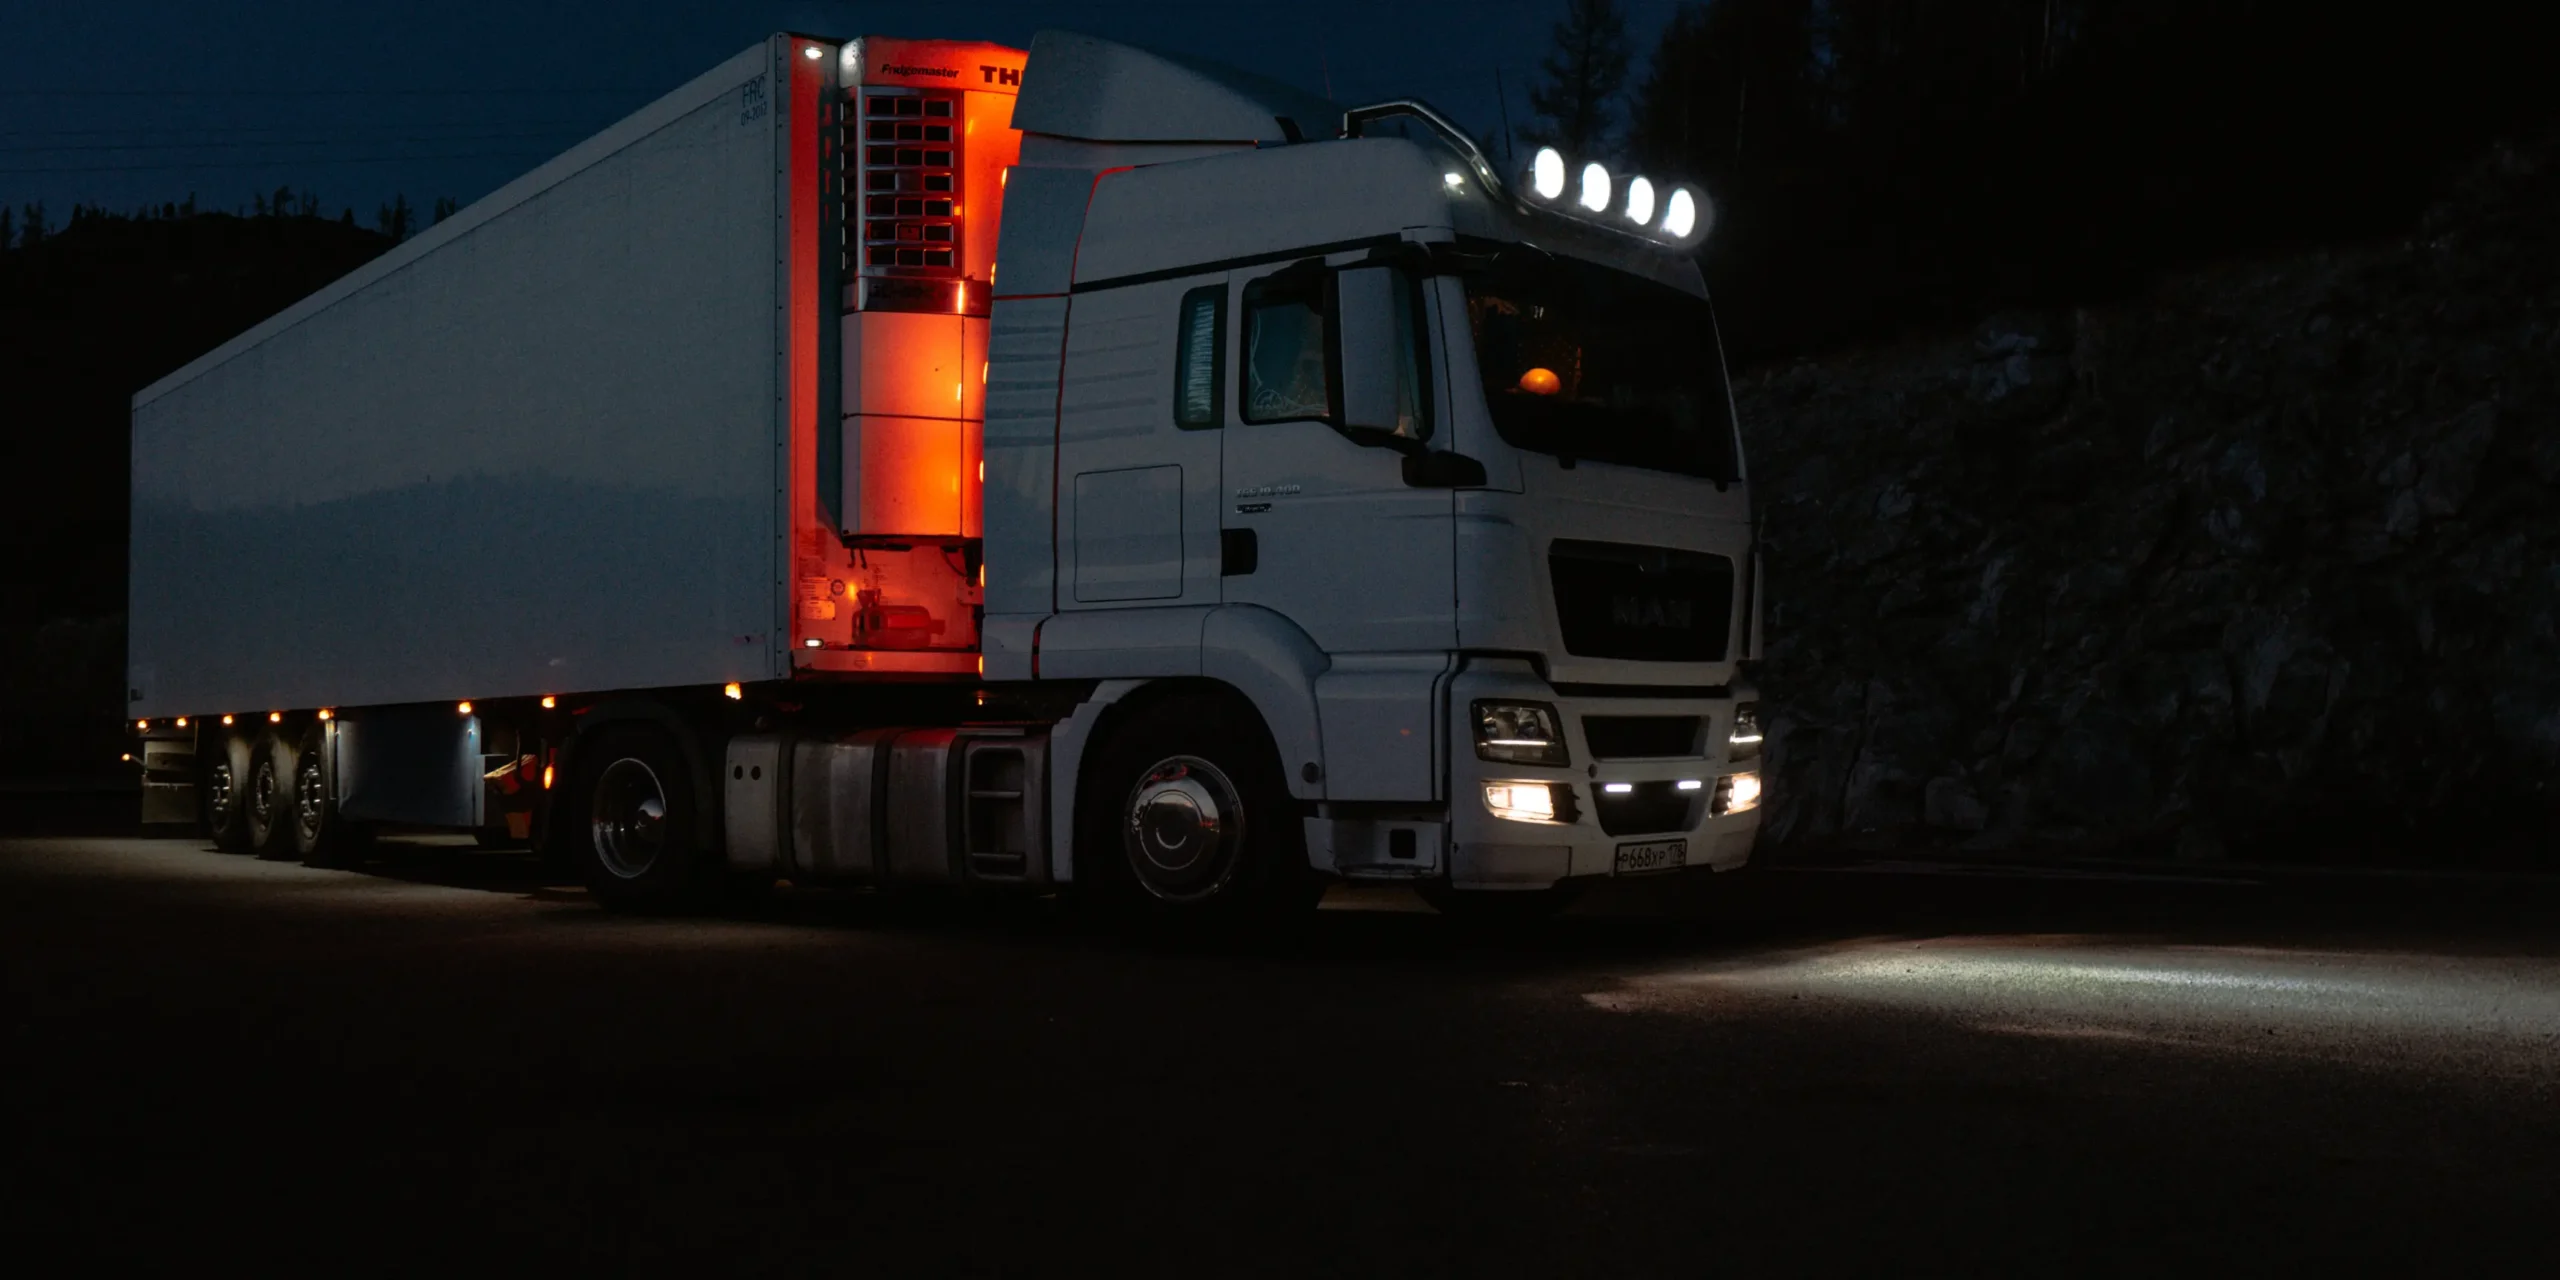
<point>463,707</point>
<point>226,719</point>
<point>275,717</point>
<point>732,692</point>
<point>182,722</point>
<point>128,756</point>
<point>1541,382</point>
<point>548,702</point>
<point>327,714</point>
<point>141,724</point>
<point>546,777</point>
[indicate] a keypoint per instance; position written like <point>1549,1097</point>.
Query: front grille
<point>1653,808</point>
<point>1641,737</point>
<point>1647,604</point>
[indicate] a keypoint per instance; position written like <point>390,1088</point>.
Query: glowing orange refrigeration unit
<point>887,550</point>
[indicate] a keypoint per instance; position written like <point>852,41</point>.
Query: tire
<point>1498,906</point>
<point>1185,816</point>
<point>321,838</point>
<point>222,765</point>
<point>629,824</point>
<point>268,803</point>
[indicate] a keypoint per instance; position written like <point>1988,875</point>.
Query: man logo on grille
<point>1652,611</point>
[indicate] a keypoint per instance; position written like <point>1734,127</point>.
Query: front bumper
<point>1489,852</point>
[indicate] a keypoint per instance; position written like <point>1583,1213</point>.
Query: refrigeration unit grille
<point>905,203</point>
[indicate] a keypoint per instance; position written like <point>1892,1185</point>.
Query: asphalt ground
<point>447,1061</point>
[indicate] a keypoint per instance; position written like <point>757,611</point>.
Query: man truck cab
<point>1451,471</point>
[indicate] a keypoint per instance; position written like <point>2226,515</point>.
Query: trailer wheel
<point>268,804</point>
<point>320,837</point>
<point>629,822</point>
<point>222,767</point>
<point>1187,816</point>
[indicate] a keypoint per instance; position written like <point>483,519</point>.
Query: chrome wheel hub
<point>310,797</point>
<point>628,818</point>
<point>1184,829</point>
<point>262,794</point>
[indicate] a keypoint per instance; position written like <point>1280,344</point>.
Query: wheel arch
<point>617,712</point>
<point>1116,704</point>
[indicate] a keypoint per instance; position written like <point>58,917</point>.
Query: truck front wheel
<point>629,822</point>
<point>1187,816</point>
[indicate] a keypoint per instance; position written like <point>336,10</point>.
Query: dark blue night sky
<point>150,100</point>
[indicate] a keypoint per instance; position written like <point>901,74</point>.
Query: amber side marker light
<point>141,724</point>
<point>463,708</point>
<point>226,719</point>
<point>182,722</point>
<point>327,714</point>
<point>732,692</point>
<point>546,777</point>
<point>1541,382</point>
<point>275,717</point>
<point>548,702</point>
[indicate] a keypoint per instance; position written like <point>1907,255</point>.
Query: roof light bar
<point>1677,215</point>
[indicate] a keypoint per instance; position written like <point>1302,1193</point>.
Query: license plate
<point>1652,855</point>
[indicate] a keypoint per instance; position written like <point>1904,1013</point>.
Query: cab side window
<point>1199,362</point>
<point>1286,373</point>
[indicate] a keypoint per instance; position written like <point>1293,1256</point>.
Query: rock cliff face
<point>2265,563</point>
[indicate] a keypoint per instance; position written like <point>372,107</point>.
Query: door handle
<point>1442,470</point>
<point>1238,552</point>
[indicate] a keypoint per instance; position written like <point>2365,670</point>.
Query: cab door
<point>1137,488</point>
<point>1314,525</point>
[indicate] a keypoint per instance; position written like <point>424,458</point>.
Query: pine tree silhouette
<point>1575,95</point>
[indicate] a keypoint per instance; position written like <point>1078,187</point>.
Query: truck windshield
<point>1586,362</point>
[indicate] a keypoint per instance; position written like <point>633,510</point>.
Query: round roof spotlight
<point>1686,215</point>
<point>1639,201</point>
<point>1546,173</point>
<point>1595,187</point>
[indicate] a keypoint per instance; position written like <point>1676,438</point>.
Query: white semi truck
<point>907,462</point>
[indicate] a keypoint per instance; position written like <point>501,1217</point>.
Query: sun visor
<point>1079,87</point>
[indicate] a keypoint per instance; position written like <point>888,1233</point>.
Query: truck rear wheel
<point>269,802</point>
<point>1187,816</point>
<point>221,776</point>
<point>629,822</point>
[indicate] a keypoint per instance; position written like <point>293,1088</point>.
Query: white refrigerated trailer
<point>914,461</point>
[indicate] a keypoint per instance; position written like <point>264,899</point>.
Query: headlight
<point>1530,801</point>
<point>1744,742</point>
<point>1736,793</point>
<point>1520,733</point>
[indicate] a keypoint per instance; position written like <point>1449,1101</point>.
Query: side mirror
<point>1370,352</point>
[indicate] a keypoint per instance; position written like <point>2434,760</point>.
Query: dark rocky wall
<point>2262,564</point>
